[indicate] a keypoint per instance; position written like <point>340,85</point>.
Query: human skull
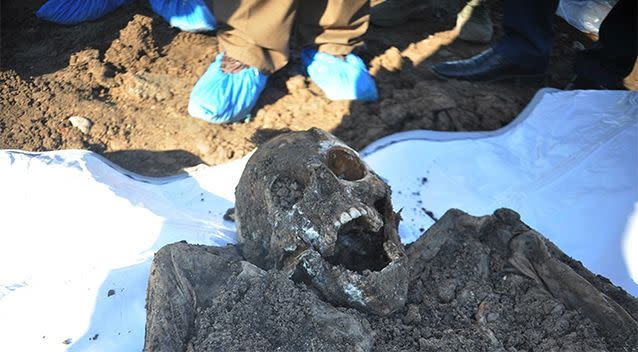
<point>307,204</point>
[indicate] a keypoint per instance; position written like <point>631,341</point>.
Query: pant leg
<point>332,26</point>
<point>615,56</point>
<point>619,30</point>
<point>528,30</point>
<point>255,32</point>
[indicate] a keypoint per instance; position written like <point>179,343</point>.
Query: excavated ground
<point>130,74</point>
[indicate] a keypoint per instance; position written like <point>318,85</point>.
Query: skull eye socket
<point>345,165</point>
<point>286,191</point>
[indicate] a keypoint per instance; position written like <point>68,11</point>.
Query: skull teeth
<point>371,215</point>
<point>375,219</point>
<point>345,217</point>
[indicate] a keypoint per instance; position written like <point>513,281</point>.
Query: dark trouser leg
<point>613,60</point>
<point>619,30</point>
<point>528,31</point>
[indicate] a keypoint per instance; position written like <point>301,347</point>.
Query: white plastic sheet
<point>585,15</point>
<point>568,164</point>
<point>77,237</point>
<point>77,234</point>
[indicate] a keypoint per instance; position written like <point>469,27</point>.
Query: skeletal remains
<point>309,210</point>
<point>307,204</point>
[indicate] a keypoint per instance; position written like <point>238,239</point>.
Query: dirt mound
<point>130,74</point>
<point>466,294</point>
<point>268,311</point>
<point>477,283</point>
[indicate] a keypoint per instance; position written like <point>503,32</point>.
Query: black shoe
<point>488,66</point>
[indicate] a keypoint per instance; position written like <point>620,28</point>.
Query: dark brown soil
<point>130,74</point>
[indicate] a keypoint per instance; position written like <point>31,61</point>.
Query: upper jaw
<point>371,215</point>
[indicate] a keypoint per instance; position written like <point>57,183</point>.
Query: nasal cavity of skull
<point>286,192</point>
<point>358,248</point>
<point>345,165</point>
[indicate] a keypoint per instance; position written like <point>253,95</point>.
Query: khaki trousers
<point>257,32</point>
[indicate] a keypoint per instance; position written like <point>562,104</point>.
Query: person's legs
<point>329,30</point>
<point>255,32</point>
<point>528,29</point>
<point>333,26</point>
<point>619,30</point>
<point>607,65</point>
<point>524,50</point>
<point>253,37</point>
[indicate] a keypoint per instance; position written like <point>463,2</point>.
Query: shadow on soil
<point>154,163</point>
<point>20,28</point>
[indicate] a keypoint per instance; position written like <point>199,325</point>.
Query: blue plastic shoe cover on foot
<point>338,78</point>
<point>187,15</point>
<point>76,11</point>
<point>221,97</point>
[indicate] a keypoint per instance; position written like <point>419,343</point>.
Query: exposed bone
<point>345,217</point>
<point>330,182</point>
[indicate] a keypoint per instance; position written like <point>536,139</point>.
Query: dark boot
<point>491,66</point>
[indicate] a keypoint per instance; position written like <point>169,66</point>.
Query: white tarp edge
<point>77,233</point>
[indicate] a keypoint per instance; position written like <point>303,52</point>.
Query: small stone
<point>110,293</point>
<point>67,341</point>
<point>81,123</point>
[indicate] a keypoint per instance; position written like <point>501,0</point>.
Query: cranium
<point>306,203</point>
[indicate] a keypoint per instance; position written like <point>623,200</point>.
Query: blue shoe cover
<point>338,78</point>
<point>76,11</point>
<point>221,97</point>
<point>187,15</point>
